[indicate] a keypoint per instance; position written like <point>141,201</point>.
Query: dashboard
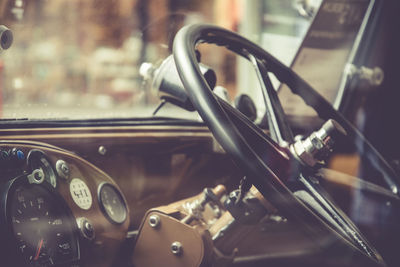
<point>78,196</point>
<point>95,206</point>
<point>57,208</point>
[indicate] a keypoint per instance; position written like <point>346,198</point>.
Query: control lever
<point>196,207</point>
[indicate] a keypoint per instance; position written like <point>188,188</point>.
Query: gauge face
<point>42,228</point>
<point>80,193</point>
<point>38,160</point>
<point>112,203</point>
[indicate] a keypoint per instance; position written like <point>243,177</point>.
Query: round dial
<point>38,160</point>
<point>112,203</point>
<point>43,230</point>
<point>80,193</point>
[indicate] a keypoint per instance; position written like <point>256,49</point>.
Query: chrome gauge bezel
<point>13,250</point>
<point>103,208</point>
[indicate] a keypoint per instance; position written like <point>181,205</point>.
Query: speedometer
<point>41,226</point>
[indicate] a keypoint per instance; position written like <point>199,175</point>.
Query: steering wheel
<point>270,166</point>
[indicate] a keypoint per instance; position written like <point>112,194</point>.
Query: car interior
<point>140,133</point>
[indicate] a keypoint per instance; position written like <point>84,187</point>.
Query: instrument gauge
<point>42,227</point>
<point>112,203</point>
<point>38,160</point>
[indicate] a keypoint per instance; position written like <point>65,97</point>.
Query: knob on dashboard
<point>17,155</point>
<point>6,37</point>
<point>86,228</point>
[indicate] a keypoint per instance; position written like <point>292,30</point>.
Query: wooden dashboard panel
<point>152,165</point>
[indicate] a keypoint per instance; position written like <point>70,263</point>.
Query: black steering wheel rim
<point>214,35</point>
<point>264,166</point>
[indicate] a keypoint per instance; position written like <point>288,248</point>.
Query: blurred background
<point>81,58</point>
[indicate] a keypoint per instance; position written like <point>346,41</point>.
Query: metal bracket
<point>36,177</point>
<point>373,76</point>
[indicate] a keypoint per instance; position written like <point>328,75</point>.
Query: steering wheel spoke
<point>278,126</point>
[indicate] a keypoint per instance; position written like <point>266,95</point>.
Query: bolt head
<point>154,221</point>
<point>176,248</point>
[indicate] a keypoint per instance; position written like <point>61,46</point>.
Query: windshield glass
<point>81,59</point>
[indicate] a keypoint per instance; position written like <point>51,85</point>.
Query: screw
<point>154,221</point>
<point>102,150</point>
<point>62,169</point>
<point>176,248</point>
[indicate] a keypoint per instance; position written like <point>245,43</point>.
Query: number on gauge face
<point>42,228</point>
<point>112,203</point>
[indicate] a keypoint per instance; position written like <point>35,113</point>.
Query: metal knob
<point>317,147</point>
<point>6,38</point>
<point>374,76</point>
<point>62,169</point>
<point>86,228</point>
